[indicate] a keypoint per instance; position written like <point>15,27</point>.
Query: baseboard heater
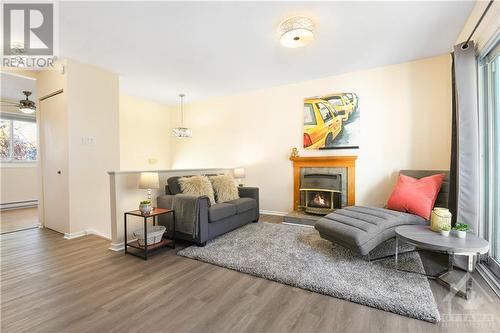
<point>19,204</point>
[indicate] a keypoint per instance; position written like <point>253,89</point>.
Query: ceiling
<point>208,49</point>
<point>12,87</point>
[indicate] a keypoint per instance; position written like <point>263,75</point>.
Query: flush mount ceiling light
<point>296,32</point>
<point>182,132</point>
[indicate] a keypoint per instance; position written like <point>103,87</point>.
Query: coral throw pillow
<point>416,196</point>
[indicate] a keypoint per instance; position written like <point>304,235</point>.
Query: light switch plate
<point>88,140</point>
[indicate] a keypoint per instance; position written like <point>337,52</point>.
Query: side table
<point>423,238</point>
<point>144,251</point>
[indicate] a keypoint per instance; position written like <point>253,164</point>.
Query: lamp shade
<point>239,173</point>
<point>149,180</point>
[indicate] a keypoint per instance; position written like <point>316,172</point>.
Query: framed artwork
<point>331,121</point>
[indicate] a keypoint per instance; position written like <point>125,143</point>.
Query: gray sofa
<point>211,220</point>
<point>362,229</point>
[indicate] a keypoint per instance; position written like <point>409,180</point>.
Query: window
<point>325,112</point>
<point>490,138</point>
<point>309,118</point>
<point>18,139</point>
<point>336,101</point>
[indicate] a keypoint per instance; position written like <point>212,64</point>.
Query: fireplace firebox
<point>320,192</point>
<point>320,201</point>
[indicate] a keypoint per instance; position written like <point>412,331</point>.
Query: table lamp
<point>239,174</point>
<point>148,181</point>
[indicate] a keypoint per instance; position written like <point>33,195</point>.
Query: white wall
<point>405,124</point>
<point>144,134</point>
<point>19,182</point>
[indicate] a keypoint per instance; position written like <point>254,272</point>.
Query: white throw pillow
<point>225,188</point>
<point>197,185</point>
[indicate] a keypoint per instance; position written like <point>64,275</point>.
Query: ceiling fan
<point>24,105</point>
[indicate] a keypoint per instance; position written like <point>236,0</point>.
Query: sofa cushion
<point>173,185</point>
<point>197,185</point>
<point>224,187</point>
<point>243,204</point>
<point>220,211</point>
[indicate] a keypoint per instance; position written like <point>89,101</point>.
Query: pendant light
<point>182,132</point>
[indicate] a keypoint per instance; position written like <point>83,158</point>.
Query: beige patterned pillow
<point>197,185</point>
<point>225,188</point>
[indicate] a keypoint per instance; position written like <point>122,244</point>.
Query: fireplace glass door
<point>320,201</point>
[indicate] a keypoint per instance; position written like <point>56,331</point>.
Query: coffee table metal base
<point>439,277</point>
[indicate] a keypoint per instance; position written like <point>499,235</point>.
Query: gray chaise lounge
<point>364,228</point>
<point>212,220</point>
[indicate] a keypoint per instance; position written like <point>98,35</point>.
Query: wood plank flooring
<point>16,219</point>
<point>49,284</point>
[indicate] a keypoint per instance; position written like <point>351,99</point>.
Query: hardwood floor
<point>49,284</point>
<point>17,219</point>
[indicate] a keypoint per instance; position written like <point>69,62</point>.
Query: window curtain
<point>464,169</point>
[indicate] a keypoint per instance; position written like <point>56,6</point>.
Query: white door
<point>54,137</point>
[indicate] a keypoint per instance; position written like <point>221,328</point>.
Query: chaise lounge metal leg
<point>389,256</point>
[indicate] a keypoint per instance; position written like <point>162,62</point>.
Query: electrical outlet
<point>152,160</point>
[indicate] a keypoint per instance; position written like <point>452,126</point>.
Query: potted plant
<point>145,207</point>
<point>461,229</point>
<point>445,230</point>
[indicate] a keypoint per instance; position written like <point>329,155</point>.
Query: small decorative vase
<point>445,233</point>
<point>145,208</point>
<point>461,234</point>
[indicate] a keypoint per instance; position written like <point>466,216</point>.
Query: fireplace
<point>321,190</point>
<point>322,184</point>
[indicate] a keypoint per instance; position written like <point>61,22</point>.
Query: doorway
<point>19,153</point>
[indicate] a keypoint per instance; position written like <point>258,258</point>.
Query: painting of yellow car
<point>332,121</point>
<point>322,123</point>
<point>354,99</point>
<point>341,104</point>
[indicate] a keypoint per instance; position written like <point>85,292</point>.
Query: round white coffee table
<point>423,238</point>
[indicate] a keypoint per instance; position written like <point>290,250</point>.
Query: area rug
<point>299,257</point>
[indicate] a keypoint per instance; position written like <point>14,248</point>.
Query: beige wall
<point>405,123</point>
<point>92,104</point>
<point>144,134</point>
<point>92,95</point>
<point>489,27</point>
<point>19,183</point>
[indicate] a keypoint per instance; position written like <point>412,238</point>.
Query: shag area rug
<point>299,257</point>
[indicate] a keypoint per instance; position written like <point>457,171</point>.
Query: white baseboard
<point>73,235</point>
<point>272,212</point>
<point>20,204</point>
<point>116,247</point>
